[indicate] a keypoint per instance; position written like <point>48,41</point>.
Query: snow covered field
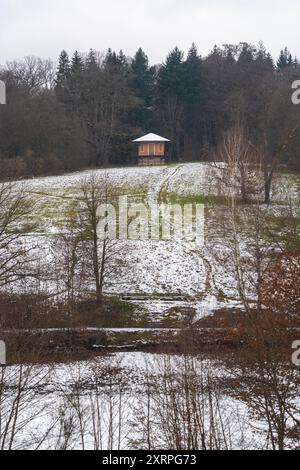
<point>155,269</point>
<point>104,404</point>
<point>122,401</point>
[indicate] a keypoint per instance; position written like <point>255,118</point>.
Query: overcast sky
<point>44,28</point>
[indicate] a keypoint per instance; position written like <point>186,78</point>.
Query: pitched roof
<point>151,138</point>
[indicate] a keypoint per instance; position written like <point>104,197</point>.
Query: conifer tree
<point>194,101</point>
<point>285,59</point>
<point>141,81</point>
<point>63,71</point>
<point>122,60</point>
<point>142,77</point>
<point>77,64</point>
<point>263,60</point>
<point>91,62</point>
<point>246,57</point>
<point>170,77</point>
<point>170,99</point>
<point>193,76</point>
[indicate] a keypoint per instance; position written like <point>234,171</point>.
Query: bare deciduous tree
<point>99,252</point>
<point>15,210</point>
<point>236,165</point>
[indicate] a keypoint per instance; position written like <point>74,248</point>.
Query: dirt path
<point>162,182</point>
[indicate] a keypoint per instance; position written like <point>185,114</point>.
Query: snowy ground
<point>101,405</point>
<point>106,400</point>
<point>155,269</point>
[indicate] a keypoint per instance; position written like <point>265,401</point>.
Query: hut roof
<point>151,138</point>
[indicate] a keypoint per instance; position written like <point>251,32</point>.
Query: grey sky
<point>44,28</point>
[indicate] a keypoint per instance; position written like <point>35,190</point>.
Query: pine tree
<point>246,57</point>
<point>216,57</point>
<point>141,77</point>
<point>77,64</point>
<point>76,82</point>
<point>170,98</point>
<point>193,76</point>
<point>194,102</point>
<point>111,61</point>
<point>170,77</point>
<point>116,63</point>
<point>285,59</point>
<point>141,82</point>
<point>263,60</point>
<point>281,63</point>
<point>122,60</point>
<point>91,62</point>
<point>63,71</point>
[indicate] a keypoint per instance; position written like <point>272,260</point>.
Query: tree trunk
<point>268,179</point>
<point>102,270</point>
<point>96,267</point>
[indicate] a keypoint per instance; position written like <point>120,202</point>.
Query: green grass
<point>174,198</point>
<point>122,314</point>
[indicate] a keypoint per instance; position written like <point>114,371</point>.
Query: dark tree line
<point>86,111</point>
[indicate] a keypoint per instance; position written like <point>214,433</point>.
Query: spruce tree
<point>63,71</point>
<point>141,82</point>
<point>170,77</point>
<point>194,101</point>
<point>111,61</point>
<point>246,57</point>
<point>192,71</point>
<point>263,60</point>
<point>122,60</point>
<point>91,62</point>
<point>281,62</point>
<point>77,64</point>
<point>170,99</point>
<point>116,63</point>
<point>285,59</point>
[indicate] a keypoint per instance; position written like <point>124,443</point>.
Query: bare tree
<point>15,210</point>
<point>100,252</point>
<point>182,407</point>
<point>21,407</point>
<point>265,379</point>
<point>32,73</point>
<point>104,100</point>
<point>237,166</point>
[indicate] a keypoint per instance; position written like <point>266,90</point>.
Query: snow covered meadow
<point>157,270</point>
<point>126,401</point>
<point>134,400</point>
